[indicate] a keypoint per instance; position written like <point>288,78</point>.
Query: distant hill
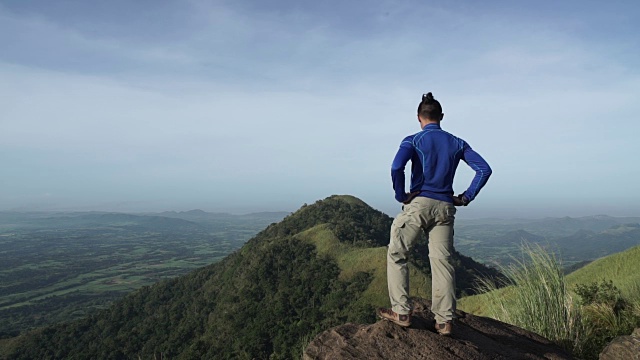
<point>164,221</point>
<point>78,220</point>
<point>198,214</point>
<point>319,267</point>
<point>550,227</point>
<point>519,236</point>
<point>212,221</point>
<point>585,244</point>
<point>574,240</point>
<point>567,225</point>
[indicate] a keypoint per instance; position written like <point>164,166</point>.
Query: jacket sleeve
<point>403,155</point>
<point>482,169</point>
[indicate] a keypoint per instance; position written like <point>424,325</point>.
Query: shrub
<point>606,315</point>
<point>604,293</point>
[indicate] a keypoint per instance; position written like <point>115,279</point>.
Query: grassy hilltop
<point>622,269</point>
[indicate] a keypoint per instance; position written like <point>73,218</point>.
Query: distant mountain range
<point>573,239</point>
<point>165,220</point>
<point>551,227</point>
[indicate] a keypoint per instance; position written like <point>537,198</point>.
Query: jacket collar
<point>431,126</point>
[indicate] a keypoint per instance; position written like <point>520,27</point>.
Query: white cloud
<point>292,103</point>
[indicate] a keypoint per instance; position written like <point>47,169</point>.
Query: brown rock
<point>623,347</point>
<point>474,338</point>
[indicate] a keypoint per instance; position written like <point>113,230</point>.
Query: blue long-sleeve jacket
<point>434,155</point>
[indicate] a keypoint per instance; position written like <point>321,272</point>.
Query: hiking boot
<point>444,329</point>
<point>389,314</point>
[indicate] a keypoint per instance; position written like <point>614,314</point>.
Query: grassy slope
<point>479,304</point>
<point>352,260</point>
<point>621,268</point>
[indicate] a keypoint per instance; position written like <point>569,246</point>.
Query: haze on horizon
<point>243,106</point>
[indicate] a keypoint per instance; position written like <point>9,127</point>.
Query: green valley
<point>57,267</point>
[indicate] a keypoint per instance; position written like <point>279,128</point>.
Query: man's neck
<point>424,123</point>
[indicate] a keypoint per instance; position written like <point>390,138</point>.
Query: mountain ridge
<point>264,300</point>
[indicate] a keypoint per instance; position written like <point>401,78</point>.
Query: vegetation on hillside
<point>609,291</point>
<point>582,318</point>
<point>256,305</point>
<point>620,268</point>
<point>351,220</point>
<point>266,300</point>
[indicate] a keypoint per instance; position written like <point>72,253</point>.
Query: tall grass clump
<point>539,299</point>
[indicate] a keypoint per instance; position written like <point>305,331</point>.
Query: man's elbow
<point>486,172</point>
<point>397,169</point>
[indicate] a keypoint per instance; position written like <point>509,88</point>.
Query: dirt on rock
<point>474,338</point>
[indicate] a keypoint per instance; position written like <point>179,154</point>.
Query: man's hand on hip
<point>411,196</point>
<point>460,200</point>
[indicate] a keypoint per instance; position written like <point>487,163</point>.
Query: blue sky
<point>246,106</point>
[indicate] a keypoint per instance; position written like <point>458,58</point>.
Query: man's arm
<point>397,169</point>
<point>483,172</point>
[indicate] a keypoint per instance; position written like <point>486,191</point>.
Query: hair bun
<point>428,96</point>
<point>430,108</point>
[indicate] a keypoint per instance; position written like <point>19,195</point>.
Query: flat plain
<point>57,267</point>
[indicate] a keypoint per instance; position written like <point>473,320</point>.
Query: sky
<point>242,106</point>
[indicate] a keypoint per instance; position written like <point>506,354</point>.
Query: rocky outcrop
<point>474,338</point>
<point>623,347</point>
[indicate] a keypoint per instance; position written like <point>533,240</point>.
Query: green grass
<point>540,298</point>
<point>621,268</point>
<point>483,304</point>
<point>352,260</point>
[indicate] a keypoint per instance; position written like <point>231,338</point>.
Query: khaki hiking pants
<point>436,218</point>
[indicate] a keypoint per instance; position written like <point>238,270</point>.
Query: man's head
<point>429,109</point>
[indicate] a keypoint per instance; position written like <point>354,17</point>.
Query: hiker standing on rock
<point>429,206</point>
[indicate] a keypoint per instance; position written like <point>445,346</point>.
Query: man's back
<point>435,155</point>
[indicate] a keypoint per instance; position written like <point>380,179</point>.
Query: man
<point>429,206</point>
